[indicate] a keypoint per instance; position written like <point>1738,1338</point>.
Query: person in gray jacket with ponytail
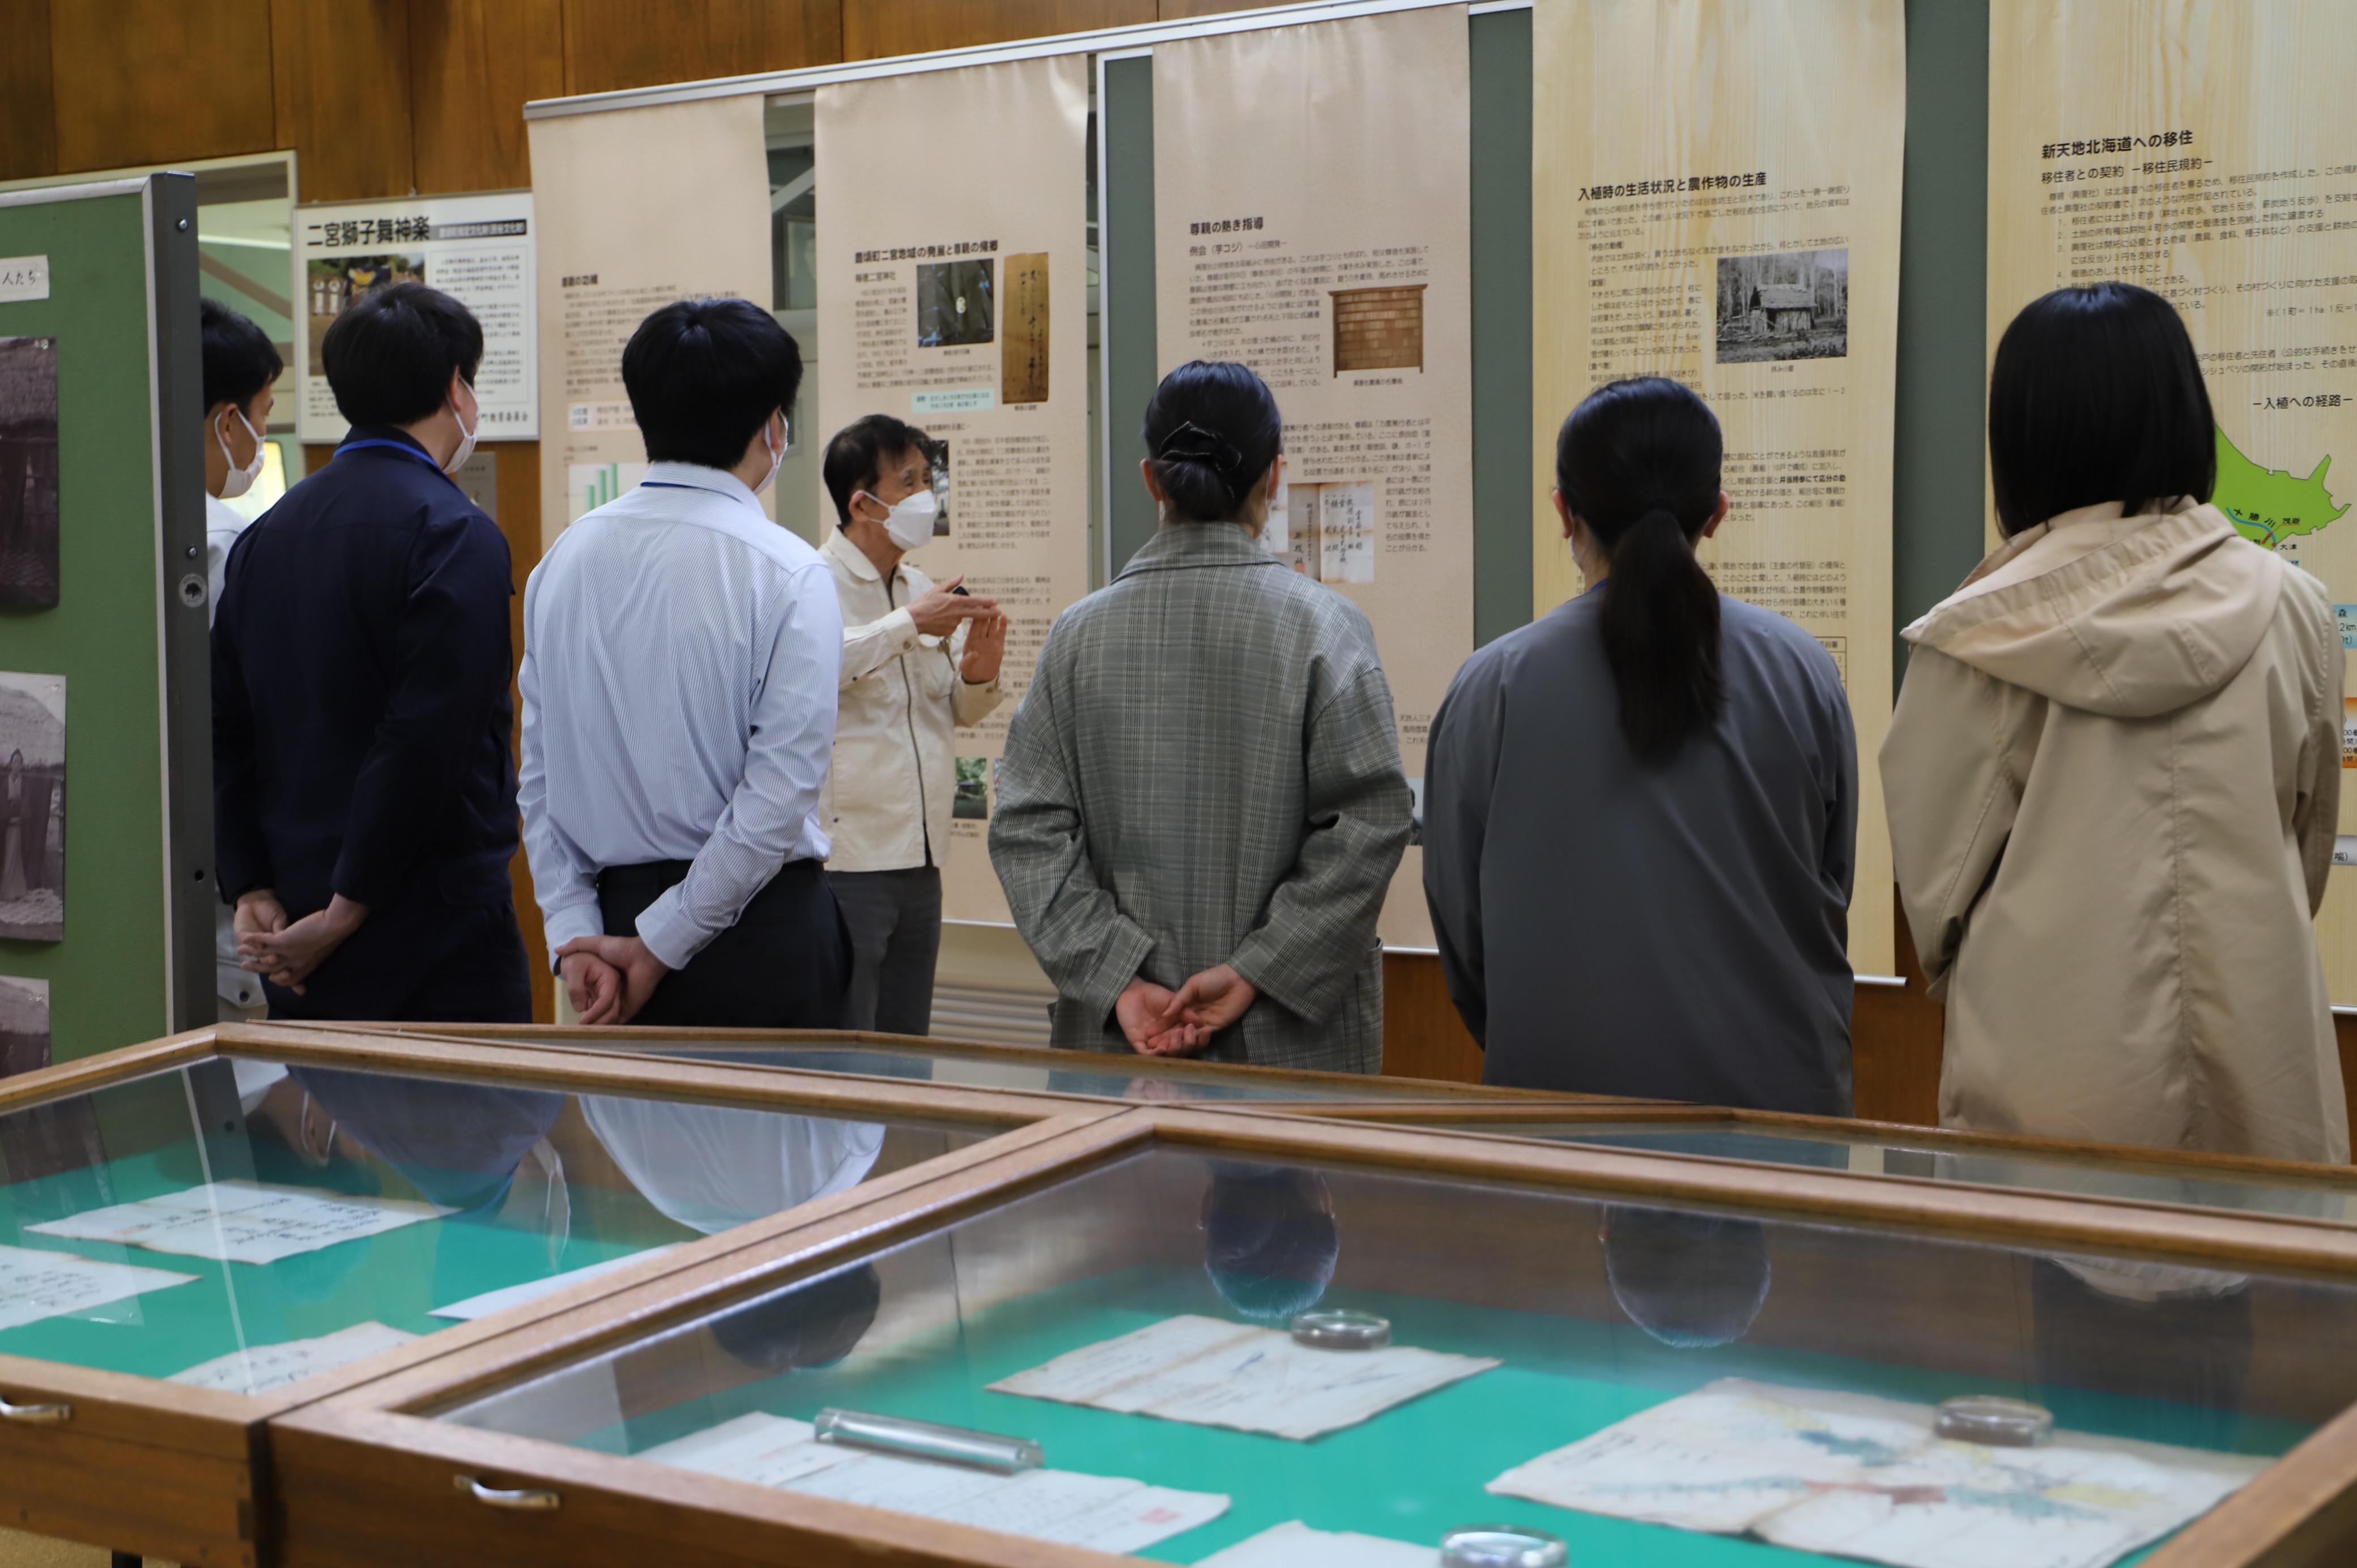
<point>1640,812</point>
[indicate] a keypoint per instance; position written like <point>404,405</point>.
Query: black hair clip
<point>1191,443</point>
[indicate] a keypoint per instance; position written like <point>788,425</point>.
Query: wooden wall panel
<point>474,64</point>
<point>28,125</point>
<point>873,29</point>
<point>520,522</point>
<point>1894,1037</point>
<point>614,44</point>
<point>144,81</point>
<point>1178,10</point>
<point>340,73</point>
<point>1422,1035</point>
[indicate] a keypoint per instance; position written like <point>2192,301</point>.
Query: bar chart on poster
<point>2158,165</point>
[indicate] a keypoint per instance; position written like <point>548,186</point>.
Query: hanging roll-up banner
<point>1341,272</point>
<point>961,306</point>
<point>1716,198</point>
<point>637,208</point>
<point>2189,147</point>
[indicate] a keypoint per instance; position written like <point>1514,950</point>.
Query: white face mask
<point>466,439</point>
<point>239,480</point>
<point>910,523</point>
<point>776,459</point>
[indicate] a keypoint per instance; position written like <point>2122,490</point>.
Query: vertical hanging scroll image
<point>1023,347</point>
<point>32,807</point>
<point>29,473</point>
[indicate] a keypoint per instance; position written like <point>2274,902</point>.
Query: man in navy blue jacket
<point>364,797</point>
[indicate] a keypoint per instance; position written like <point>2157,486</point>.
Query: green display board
<point>106,890</point>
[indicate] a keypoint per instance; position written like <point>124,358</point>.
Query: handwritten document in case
<point>35,1284</point>
<point>1853,1475</point>
<point>1106,1513</point>
<point>241,1221</point>
<point>263,1368</point>
<point>1212,1373</point>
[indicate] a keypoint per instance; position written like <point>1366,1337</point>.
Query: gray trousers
<point>895,921</point>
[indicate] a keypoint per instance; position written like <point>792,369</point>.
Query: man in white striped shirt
<point>682,655</point>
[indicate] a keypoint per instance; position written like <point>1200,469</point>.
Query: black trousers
<point>420,959</point>
<point>785,964</point>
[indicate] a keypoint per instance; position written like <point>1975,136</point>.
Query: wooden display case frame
<point>368,1479</point>
<point>1501,1121</point>
<point>140,1466</point>
<point>1430,1096</point>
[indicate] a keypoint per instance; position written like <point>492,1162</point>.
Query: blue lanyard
<point>404,448</point>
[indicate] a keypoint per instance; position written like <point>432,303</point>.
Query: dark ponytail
<point>1212,430</point>
<point>1638,464</point>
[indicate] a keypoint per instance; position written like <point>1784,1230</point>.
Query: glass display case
<point>1092,1074</point>
<point>2288,1188</point>
<point>195,1236</point>
<point>1241,1341</point>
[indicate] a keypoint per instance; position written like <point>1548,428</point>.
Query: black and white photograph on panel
<point>33,807</point>
<point>955,304</point>
<point>29,473</point>
<point>24,1024</point>
<point>1789,305</point>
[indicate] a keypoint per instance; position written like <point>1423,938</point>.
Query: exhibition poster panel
<point>79,622</point>
<point>1312,221</point>
<point>637,208</point>
<point>960,305</point>
<point>2189,147</point>
<point>475,249</point>
<point>1716,198</point>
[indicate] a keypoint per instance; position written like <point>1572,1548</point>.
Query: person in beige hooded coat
<point>2114,772</point>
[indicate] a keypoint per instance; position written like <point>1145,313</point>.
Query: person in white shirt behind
<point>681,658</point>
<point>919,663</point>
<point>241,370</point>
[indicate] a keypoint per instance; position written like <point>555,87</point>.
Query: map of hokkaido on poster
<point>2191,148</point>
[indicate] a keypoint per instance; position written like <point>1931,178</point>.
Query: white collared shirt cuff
<point>563,926</point>
<point>667,930</point>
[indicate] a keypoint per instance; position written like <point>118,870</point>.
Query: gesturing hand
<point>1212,1001</point>
<point>627,958</point>
<point>286,954</point>
<point>986,646</point>
<point>1141,1010</point>
<point>937,610</point>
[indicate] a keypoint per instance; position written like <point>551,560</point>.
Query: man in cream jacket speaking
<point>919,663</point>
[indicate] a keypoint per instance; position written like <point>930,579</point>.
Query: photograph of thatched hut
<point>1792,305</point>
<point>33,807</point>
<point>28,472</point>
<point>24,1024</point>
